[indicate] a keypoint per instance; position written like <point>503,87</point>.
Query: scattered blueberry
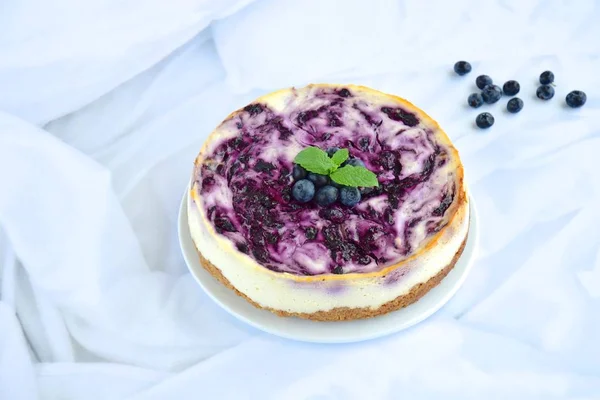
<point>546,78</point>
<point>303,191</point>
<point>511,88</point>
<point>462,68</point>
<point>576,98</point>
<point>491,94</point>
<point>298,172</point>
<point>475,100</point>
<point>483,80</point>
<point>331,151</point>
<point>484,120</point>
<point>514,105</point>
<point>349,196</point>
<point>545,92</point>
<point>338,270</point>
<point>327,195</point>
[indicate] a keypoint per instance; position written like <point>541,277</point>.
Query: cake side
<point>345,313</point>
<point>291,294</point>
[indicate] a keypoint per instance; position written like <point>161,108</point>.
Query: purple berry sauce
<point>245,183</point>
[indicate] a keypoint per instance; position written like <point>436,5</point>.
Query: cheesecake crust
<point>347,313</point>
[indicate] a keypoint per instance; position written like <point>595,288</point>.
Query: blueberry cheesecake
<point>328,202</point>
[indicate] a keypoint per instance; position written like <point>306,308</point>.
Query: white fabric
<point>89,200</point>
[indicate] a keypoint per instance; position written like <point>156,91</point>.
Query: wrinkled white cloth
<point>104,109</point>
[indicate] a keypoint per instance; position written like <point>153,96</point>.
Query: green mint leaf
<point>340,156</point>
<point>354,176</point>
<point>315,160</point>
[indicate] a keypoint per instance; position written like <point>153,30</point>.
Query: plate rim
<point>467,257</point>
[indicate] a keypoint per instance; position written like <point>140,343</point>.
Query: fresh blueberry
<point>484,120</point>
<point>545,92</point>
<point>491,94</point>
<point>546,77</point>
<point>355,162</point>
<point>514,105</point>
<point>576,99</point>
<point>349,196</point>
<point>326,196</point>
<point>335,184</point>
<point>482,81</point>
<point>318,179</point>
<point>338,270</point>
<point>475,100</point>
<point>298,172</point>
<point>511,88</point>
<point>303,191</point>
<point>331,151</point>
<point>462,68</point>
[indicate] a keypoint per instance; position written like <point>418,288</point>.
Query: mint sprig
<point>315,160</point>
<point>340,156</point>
<point>354,176</point>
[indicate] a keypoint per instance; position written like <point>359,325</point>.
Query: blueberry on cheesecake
<point>328,202</point>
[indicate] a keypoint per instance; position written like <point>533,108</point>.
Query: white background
<point>104,105</point>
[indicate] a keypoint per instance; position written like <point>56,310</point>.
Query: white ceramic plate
<point>329,332</point>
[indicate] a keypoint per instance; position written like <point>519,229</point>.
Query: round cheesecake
<point>332,262</point>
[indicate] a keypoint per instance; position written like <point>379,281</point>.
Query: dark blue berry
<point>253,109</point>
<point>310,233</point>
<point>332,214</point>
<point>511,88</point>
<point>475,100</point>
<point>344,93</point>
<point>355,162</point>
<point>331,151</point>
<point>349,196</point>
<point>303,191</point>
<point>484,120</point>
<point>364,260</point>
<point>263,166</point>
<point>224,224</point>
<point>491,94</point>
<point>576,99</point>
<point>546,77</point>
<point>335,184</point>
<point>298,172</point>
<point>482,81</point>
<point>514,105</point>
<point>462,68</point>
<point>338,270</point>
<point>399,114</point>
<point>545,92</point>
<point>327,195</point>
<point>318,179</point>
